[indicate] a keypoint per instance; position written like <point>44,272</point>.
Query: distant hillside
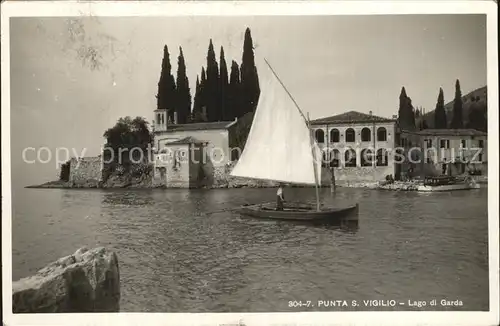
<point>468,104</point>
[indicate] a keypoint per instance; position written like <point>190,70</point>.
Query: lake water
<point>408,246</point>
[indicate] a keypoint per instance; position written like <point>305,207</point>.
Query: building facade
<point>358,147</point>
<point>446,151</point>
<point>191,155</point>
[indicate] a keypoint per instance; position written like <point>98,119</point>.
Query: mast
<point>308,126</point>
<point>314,163</point>
<point>330,159</point>
<point>423,156</point>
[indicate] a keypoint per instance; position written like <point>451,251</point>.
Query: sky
<point>331,64</point>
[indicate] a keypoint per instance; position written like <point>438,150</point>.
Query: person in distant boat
<point>280,198</point>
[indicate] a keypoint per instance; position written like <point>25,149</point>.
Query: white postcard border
<point>229,8</point>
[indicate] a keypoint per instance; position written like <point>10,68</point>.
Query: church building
<point>191,155</point>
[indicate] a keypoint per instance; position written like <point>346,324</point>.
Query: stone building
<point>192,155</point>
<point>447,151</point>
<point>357,146</point>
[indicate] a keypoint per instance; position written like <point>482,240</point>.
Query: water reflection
<point>174,259</point>
<point>128,198</point>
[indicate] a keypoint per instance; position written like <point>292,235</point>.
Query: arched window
<point>326,159</point>
<point>334,136</point>
<point>382,157</point>
<point>350,158</point>
<point>335,158</point>
<point>320,136</point>
<point>350,136</point>
<point>381,134</point>
<point>366,157</point>
<point>366,134</point>
<point>158,118</point>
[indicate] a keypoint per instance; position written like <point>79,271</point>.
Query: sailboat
<point>281,147</point>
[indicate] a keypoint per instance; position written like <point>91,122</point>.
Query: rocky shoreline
<point>232,184</point>
<point>86,281</point>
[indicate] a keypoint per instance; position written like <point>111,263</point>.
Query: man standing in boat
<point>280,198</point>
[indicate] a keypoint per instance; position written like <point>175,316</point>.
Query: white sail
<point>279,146</point>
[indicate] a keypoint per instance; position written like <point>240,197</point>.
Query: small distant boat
<point>281,147</point>
<point>447,183</point>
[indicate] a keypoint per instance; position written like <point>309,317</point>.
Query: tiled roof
<point>450,132</point>
<point>200,126</point>
<point>351,117</point>
<point>186,140</point>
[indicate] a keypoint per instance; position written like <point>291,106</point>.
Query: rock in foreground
<point>87,281</point>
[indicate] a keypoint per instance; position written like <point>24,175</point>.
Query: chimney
<point>175,118</point>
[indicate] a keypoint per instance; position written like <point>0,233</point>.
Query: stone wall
<point>356,175</point>
<point>86,281</point>
<point>343,177</point>
<point>223,179</point>
<point>85,171</point>
<point>138,175</point>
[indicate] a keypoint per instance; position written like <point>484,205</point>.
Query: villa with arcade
<point>357,146</point>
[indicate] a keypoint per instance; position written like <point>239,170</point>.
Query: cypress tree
<point>183,92</point>
<point>424,124</point>
<point>223,88</point>
<point>212,85</point>
<point>249,77</point>
<point>457,119</point>
<point>402,111</point>
<point>406,111</point>
<point>440,114</point>
<point>196,114</point>
<point>166,85</point>
<point>203,94</point>
<point>234,97</point>
<point>411,115</point>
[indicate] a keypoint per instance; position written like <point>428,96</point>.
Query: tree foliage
<point>478,113</point>
<point>196,114</point>
<point>211,89</point>
<point>224,111</point>
<point>440,119</point>
<point>166,96</point>
<point>234,94</point>
<point>219,95</point>
<point>406,112</point>
<point>128,139</point>
<point>457,121</point>
<point>250,89</point>
<point>183,93</point>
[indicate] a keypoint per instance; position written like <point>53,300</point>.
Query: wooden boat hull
<point>302,213</point>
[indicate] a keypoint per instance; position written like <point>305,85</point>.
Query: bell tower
<point>160,120</point>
